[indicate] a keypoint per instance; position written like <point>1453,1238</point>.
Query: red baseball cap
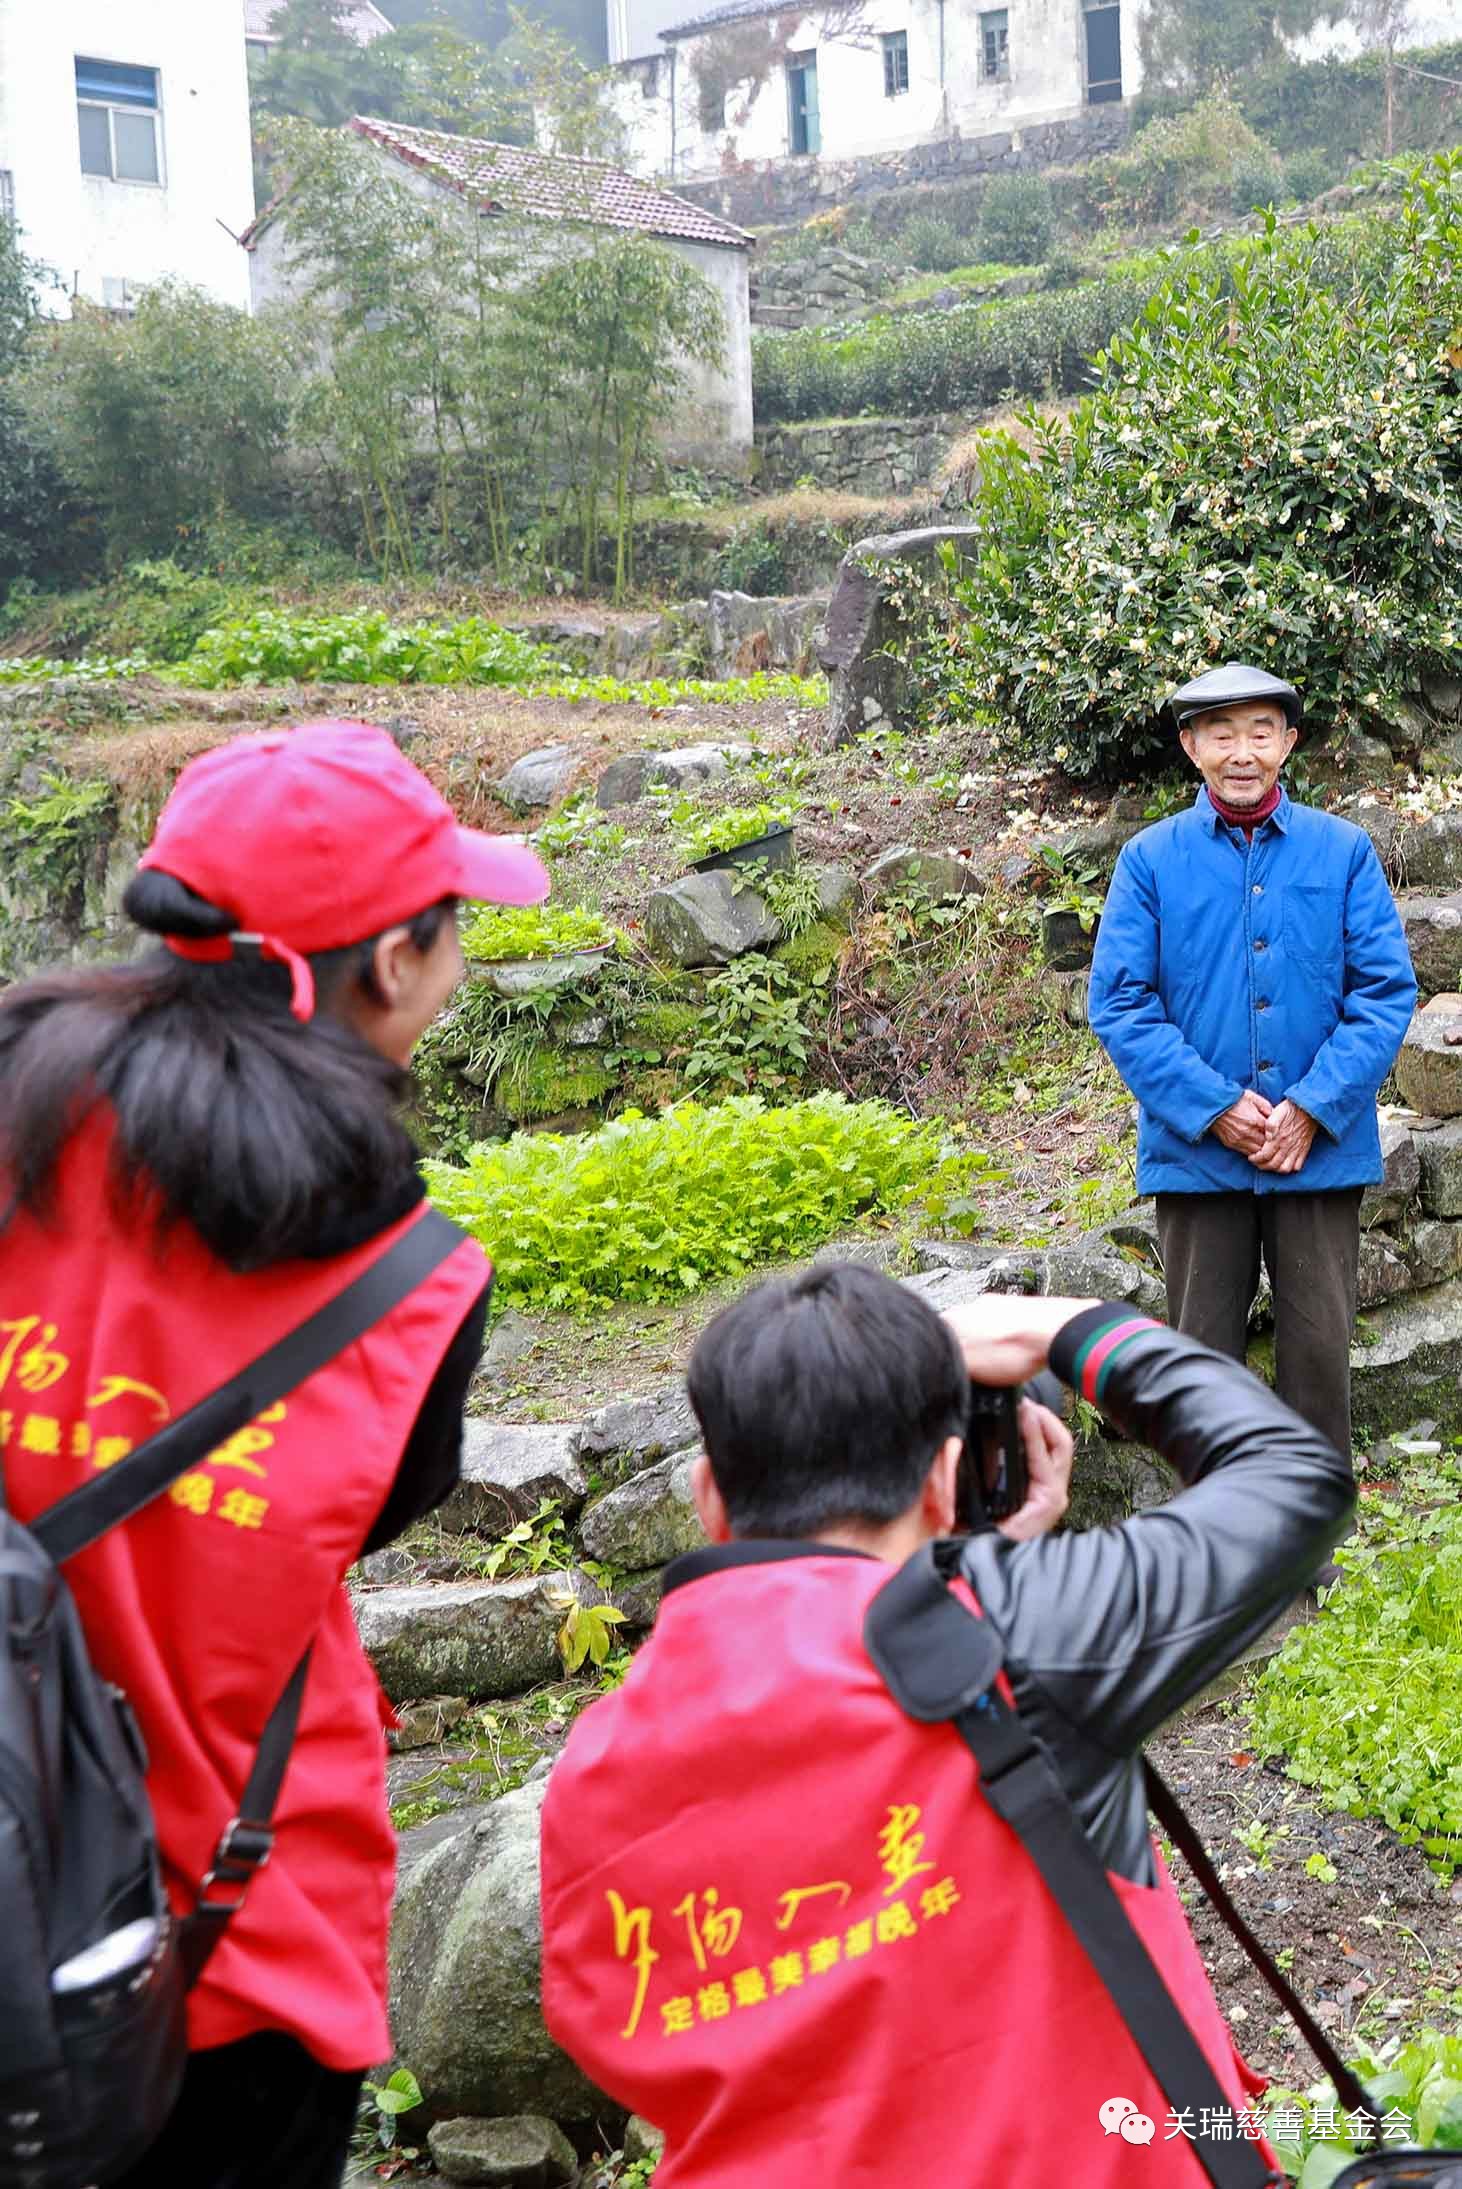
<point>321,836</point>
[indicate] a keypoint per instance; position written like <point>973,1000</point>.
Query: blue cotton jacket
<point>1277,964</point>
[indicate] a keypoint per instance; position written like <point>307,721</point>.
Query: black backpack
<point>94,1969</point>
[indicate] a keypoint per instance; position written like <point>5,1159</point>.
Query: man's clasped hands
<point>1275,1136</point>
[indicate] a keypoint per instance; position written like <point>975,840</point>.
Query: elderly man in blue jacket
<point>1251,984</point>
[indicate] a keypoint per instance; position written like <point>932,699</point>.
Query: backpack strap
<point>83,1516</point>
<point>915,1616</point>
<point>79,1519</point>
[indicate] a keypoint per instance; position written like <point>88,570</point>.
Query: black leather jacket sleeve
<point>1108,1632</point>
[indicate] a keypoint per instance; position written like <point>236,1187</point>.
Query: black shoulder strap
<point>79,1519</point>
<point>1019,1781</point>
<point>86,1514</point>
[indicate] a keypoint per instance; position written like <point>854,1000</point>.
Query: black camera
<point>994,1480</point>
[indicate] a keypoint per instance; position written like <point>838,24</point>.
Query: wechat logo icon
<point>1120,2117</point>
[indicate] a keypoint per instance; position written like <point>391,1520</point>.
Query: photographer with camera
<point>785,1918</point>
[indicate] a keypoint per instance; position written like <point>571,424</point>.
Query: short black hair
<point>822,1400</point>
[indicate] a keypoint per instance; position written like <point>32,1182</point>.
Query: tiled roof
<point>513,178</point>
<point>731,12</point>
<point>362,18</point>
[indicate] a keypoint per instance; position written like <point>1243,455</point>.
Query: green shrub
<point>495,933</point>
<point>933,245</point>
<point>1307,174</point>
<point>1180,160</point>
<point>1269,470</point>
<point>750,561</point>
<point>1258,180</point>
<point>1017,220</point>
<point>651,1208</point>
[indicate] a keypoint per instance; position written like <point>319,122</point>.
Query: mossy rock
<point>815,951</point>
<point>552,1080</point>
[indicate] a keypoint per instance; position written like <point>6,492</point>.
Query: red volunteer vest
<point>779,1924</point>
<point>200,1605</point>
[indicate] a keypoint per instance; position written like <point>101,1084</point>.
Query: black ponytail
<point>266,1134</point>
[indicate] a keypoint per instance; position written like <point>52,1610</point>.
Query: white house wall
<point>95,232</point>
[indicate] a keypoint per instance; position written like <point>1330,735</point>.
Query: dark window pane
<point>895,64</point>
<point>136,140</point>
<point>116,83</point>
<point>96,140</point>
<point>1103,55</point>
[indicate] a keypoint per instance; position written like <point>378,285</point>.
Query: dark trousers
<point>1310,1243</point>
<point>259,2114</point>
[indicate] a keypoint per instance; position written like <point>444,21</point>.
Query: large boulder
<point>1383,1272</point>
<point>508,1468</point>
<point>628,1435</point>
<point>1439,1152</point>
<point>474,1638</point>
<point>1428,854</point>
<point>1433,929</point>
<point>871,688</point>
<point>1387,1201</point>
<point>705,920</point>
<point>940,875</point>
<point>748,632</point>
<point>537,778</point>
<point>646,1521</point>
<point>466,1941</point>
<point>1433,1251</point>
<point>956,1272</point>
<point>1407,1360</point>
<point>686,767</point>
<point>1429,1065</point>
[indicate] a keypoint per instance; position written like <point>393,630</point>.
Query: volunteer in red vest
<point>197,1150</point>
<point>780,1920</point>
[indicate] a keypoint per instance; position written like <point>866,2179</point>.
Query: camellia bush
<point>1270,470</point>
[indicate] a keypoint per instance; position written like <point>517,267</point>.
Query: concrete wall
<point>90,229</point>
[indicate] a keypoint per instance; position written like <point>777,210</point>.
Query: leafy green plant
<point>753,1032</point>
<point>792,895</point>
<point>732,826</point>
<point>1361,1702</point>
<point>652,1208</point>
<point>1259,1838</point>
<point>1068,888</point>
<point>399,2093</point>
<point>49,836</point>
<point>1417,2085</point>
<point>752,560</point>
<point>539,1544</point>
<point>731,691</point>
<point>587,1632</point>
<point>493,933</point>
<point>580,825</point>
<point>934,245</point>
<point>94,669</point>
<point>362,647</point>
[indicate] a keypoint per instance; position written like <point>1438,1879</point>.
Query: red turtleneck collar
<point>1247,818</point>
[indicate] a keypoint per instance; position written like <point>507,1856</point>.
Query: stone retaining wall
<point>766,193</point>
<point>857,455</point>
<point>828,285</point>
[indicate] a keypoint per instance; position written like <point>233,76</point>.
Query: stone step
<point>646,1521</point>
<point>508,1468</point>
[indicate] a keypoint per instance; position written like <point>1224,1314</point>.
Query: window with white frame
<point>118,121</point>
<point>995,46</point>
<point>895,63</point>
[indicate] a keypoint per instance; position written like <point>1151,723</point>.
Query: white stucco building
<point>361,18</point>
<point>751,81</point>
<point>544,199</point>
<point>754,81</point>
<point>125,153</point>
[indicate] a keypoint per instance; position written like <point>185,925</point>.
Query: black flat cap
<point>1226,687</point>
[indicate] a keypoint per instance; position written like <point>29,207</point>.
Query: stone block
<point>704,920</point>
<point>837,894</point>
<point>466,1938</point>
<point>1386,1202</point>
<point>1097,1268</point>
<point>472,1638</point>
<point>1383,1273</point>
<point>1429,853</point>
<point>516,978</point>
<point>940,875</point>
<point>508,1468</point>
<point>537,778</point>
<point>1439,1154</point>
<point>629,1435</point>
<point>1433,930</point>
<point>1433,1251</point>
<point>642,2141</point>
<point>1407,1361</point>
<point>867,683</point>
<point>1429,1065</point>
<point>422,1724</point>
<point>525,2151</point>
<point>1442,691</point>
<point>685,767</point>
<point>646,1521</point>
